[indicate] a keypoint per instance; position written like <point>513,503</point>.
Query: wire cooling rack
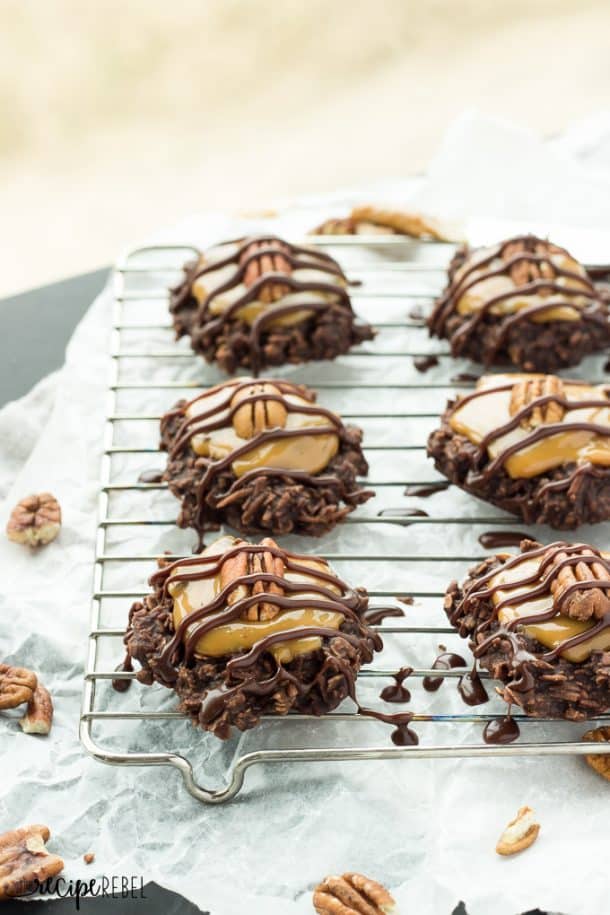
<point>389,268</point>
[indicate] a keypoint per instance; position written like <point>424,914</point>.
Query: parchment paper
<point>425,828</point>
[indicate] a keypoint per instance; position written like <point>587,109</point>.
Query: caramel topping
<point>533,589</point>
<point>208,578</point>
<point>505,279</point>
<point>252,276</point>
<point>508,415</point>
<point>257,408</point>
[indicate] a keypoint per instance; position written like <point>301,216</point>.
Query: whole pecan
<point>254,417</point>
<point>583,603</point>
<point>39,714</point>
<point>266,262</point>
<point>17,685</point>
<point>528,391</point>
<point>352,894</point>
<point>25,862</point>
<point>35,520</point>
<point>247,563</point>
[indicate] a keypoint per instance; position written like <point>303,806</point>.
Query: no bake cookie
<point>262,301</point>
<point>373,220</point>
<point>244,630</point>
<point>534,445</point>
<point>261,455</point>
<point>539,621</point>
<point>525,301</point>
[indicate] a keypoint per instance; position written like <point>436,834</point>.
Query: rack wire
<point>151,267</point>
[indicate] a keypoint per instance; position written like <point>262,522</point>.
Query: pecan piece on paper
<point>519,834</point>
<point>35,520</point>
<point>600,762</point>
<point>25,862</point>
<point>585,602</point>
<point>528,391</point>
<point>17,685</point>
<point>246,563</point>
<point>352,894</point>
<point>39,715</point>
<point>266,262</point>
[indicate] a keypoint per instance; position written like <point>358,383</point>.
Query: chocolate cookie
<point>374,220</point>
<point>245,630</point>
<point>261,455</point>
<point>534,445</point>
<point>262,301</point>
<point>539,622</point>
<point>524,301</point>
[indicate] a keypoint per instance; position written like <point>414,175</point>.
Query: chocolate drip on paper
<point>397,692</point>
<point>501,730</point>
<point>464,377</point>
<point>447,304</point>
<point>150,476</point>
<point>428,490</point>
<point>447,660</point>
<point>423,363</point>
<point>403,512</point>
<point>493,540</point>
<point>471,689</point>
<point>121,685</point>
<point>221,415</point>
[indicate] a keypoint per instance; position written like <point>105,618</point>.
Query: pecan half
<point>352,894</point>
<point>253,418</point>
<point>528,391</point>
<point>35,521</point>
<point>25,862</point>
<point>599,761</point>
<point>519,834</point>
<point>525,271</point>
<point>266,263</point>
<point>17,686</point>
<point>584,603</point>
<point>39,715</point>
<point>246,563</point>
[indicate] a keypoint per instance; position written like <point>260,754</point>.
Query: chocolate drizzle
<point>447,660</point>
<point>221,414</point>
<point>515,256</point>
<point>265,249</point>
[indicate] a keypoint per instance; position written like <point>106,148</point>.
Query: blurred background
<point>116,118</point>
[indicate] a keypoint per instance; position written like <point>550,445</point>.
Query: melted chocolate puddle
<point>151,476</point>
<point>471,689</point>
<point>396,692</point>
<point>403,736</point>
<point>425,491</point>
<point>501,730</point>
<point>447,660</point>
<point>403,512</point>
<point>491,540</point>
<point>464,376</point>
<point>121,686</point>
<point>423,363</point>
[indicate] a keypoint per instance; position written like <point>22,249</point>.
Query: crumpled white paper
<point>426,828</point>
